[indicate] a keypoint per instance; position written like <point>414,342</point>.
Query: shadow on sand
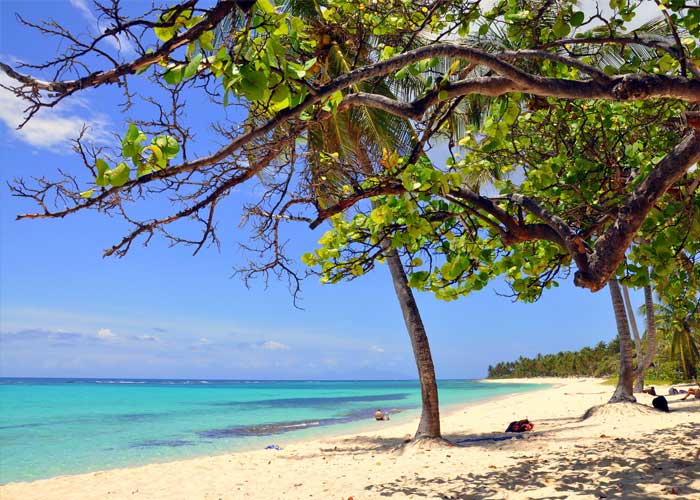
<point>640,468</point>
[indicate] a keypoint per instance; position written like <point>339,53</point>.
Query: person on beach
<point>379,415</point>
<point>692,392</point>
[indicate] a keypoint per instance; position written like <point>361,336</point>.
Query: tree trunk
<point>644,364</point>
<point>429,426</point>
<point>637,338</point>
<point>623,391</point>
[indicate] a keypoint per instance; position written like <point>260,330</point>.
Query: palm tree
<point>623,391</point>
<point>644,361</point>
<point>683,327</point>
<point>643,364</point>
<point>356,136</point>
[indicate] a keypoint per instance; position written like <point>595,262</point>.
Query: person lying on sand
<point>692,392</point>
<point>651,391</point>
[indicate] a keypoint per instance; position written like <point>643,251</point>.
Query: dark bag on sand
<point>660,403</point>
<point>520,426</point>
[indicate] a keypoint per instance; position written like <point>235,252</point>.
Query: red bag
<point>520,426</point>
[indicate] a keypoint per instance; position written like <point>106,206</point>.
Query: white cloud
<point>118,43</point>
<point>376,348</point>
<point>105,333</point>
<point>148,338</point>
<point>271,345</point>
<point>50,128</point>
<point>204,340</point>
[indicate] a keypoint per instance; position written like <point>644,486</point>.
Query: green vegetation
<point>600,361</point>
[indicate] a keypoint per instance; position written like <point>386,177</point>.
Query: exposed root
<point>424,444</point>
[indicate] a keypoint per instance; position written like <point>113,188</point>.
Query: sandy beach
<point>621,451</point>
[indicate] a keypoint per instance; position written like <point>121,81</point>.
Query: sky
<point>65,311</point>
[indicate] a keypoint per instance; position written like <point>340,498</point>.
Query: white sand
<point>623,451</point>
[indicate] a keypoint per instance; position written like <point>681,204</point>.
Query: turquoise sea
<point>51,427</point>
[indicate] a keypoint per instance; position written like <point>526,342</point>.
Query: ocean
<point>51,427</point>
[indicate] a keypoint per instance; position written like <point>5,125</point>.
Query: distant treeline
<point>599,361</point>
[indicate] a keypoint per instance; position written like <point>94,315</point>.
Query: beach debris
<point>273,447</point>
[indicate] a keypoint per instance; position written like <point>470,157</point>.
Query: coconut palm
<point>644,360</point>
<point>624,390</point>
<point>346,147</point>
<point>683,328</point>
<point>643,364</point>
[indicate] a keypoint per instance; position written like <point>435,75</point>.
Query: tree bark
<point>623,391</point>
<point>637,339</point>
<point>429,426</point>
<point>644,364</point>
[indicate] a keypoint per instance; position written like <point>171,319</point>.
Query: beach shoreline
<point>374,464</point>
<point>138,424</point>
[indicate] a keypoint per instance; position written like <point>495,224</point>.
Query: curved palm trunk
<point>429,426</point>
<point>644,364</point>
<point>637,339</point>
<point>623,391</point>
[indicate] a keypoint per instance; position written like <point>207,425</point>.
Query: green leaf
<point>168,145</point>
<point>222,54</point>
<point>206,39</point>
<point>418,279</point>
<point>131,133</point>
<point>157,156</point>
<point>101,167</point>
<point>254,84</point>
<point>517,16</point>
<point>280,98</point>
<point>192,66</point>
<point>295,70</point>
<point>188,19</point>
<point>577,18</point>
<point>173,75</point>
<point>388,51</point>
<point>165,33</point>
<point>131,144</point>
<point>266,6</point>
<point>143,168</point>
<point>561,28</point>
<point>119,175</point>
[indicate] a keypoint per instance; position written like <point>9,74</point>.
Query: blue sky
<point>160,312</point>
